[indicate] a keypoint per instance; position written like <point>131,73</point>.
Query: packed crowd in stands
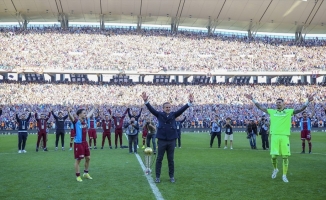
<point>154,50</point>
<point>224,100</point>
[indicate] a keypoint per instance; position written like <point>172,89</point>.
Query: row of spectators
<point>154,50</point>
<point>13,125</point>
<point>210,100</point>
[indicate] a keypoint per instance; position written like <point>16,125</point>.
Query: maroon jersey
<point>41,123</point>
<point>91,124</point>
<point>106,125</point>
<point>118,121</point>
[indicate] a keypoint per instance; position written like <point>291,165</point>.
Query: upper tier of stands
<point>91,48</point>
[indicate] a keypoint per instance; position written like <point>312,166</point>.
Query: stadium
<point>217,59</point>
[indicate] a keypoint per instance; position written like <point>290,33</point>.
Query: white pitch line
<point>149,178</point>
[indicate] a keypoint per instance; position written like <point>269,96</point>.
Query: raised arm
<point>127,111</point>
<point>129,114</point>
<point>55,117</point>
<point>304,106</point>
<point>149,107</point>
<point>17,118</point>
<point>71,117</point>
<point>49,115</point>
<point>248,96</point>
<point>0,110</point>
<point>184,108</point>
<point>101,115</point>
<point>65,117</point>
<point>36,115</point>
<point>29,116</point>
<point>91,112</point>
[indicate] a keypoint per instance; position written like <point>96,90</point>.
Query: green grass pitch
<point>200,172</point>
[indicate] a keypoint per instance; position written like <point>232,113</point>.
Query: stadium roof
<point>274,16</point>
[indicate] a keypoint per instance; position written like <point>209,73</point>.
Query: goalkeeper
<point>280,129</point>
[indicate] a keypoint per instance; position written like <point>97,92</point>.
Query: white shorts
<point>228,137</point>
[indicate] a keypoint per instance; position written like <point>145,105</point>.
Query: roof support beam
<point>63,19</point>
<point>216,20</point>
<point>253,29</point>
<point>20,18</point>
<point>102,26</point>
<point>176,20</point>
<point>139,22</point>
<point>209,27</point>
<point>312,18</point>
<point>139,17</point>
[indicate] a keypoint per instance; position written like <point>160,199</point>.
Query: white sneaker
<point>24,151</point>
<point>275,171</point>
<point>62,148</point>
<point>285,180</point>
<point>56,148</point>
<point>19,151</point>
<point>225,147</point>
<point>231,148</point>
<point>70,149</point>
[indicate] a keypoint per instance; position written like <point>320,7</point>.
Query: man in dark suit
<point>166,134</point>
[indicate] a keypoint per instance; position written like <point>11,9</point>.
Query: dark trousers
<point>22,138</point>
<point>108,135</point>
<point>132,141</point>
<point>168,147</point>
<point>264,140</point>
<point>118,133</point>
<point>150,137</point>
<point>218,135</point>
<point>59,133</point>
<point>178,140</point>
<point>41,135</point>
